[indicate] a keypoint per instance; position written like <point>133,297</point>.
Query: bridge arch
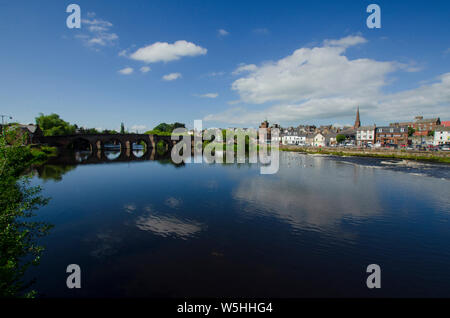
<point>81,144</point>
<point>139,147</point>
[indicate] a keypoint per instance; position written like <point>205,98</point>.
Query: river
<point>150,228</point>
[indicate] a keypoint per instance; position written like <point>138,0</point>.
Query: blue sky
<point>239,62</point>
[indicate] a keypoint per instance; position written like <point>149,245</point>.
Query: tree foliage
<point>340,138</point>
<point>167,128</point>
<point>18,200</point>
<point>53,125</point>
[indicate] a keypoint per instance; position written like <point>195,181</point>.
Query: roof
<point>30,127</point>
<point>427,120</point>
<point>445,123</point>
<point>366,127</point>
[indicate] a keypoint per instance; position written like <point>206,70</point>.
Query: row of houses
<point>420,132</point>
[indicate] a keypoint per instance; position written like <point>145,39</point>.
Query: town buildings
<point>390,135</point>
<point>28,134</point>
<point>319,140</point>
<point>442,135</point>
<point>365,135</point>
<point>294,138</point>
<point>419,132</point>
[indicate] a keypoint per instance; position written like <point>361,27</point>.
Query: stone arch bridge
<point>98,141</point>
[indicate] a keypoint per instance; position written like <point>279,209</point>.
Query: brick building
<point>390,135</point>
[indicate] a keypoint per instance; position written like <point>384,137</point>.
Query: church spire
<point>357,121</point>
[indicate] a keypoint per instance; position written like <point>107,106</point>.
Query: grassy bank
<point>445,158</point>
<point>41,154</point>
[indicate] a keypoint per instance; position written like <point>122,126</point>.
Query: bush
<point>18,200</point>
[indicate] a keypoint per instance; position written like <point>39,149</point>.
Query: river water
<point>149,228</point>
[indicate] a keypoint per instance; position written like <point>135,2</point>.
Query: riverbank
<point>440,157</point>
<point>40,154</point>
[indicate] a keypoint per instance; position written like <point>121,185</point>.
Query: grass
<point>42,153</point>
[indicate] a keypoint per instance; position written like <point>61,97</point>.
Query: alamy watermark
<point>374,279</point>
<point>74,279</point>
<point>374,20</point>
<point>235,145</point>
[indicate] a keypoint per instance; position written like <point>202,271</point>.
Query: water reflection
<point>107,244</point>
<point>53,172</point>
<point>81,156</point>
<point>167,226</point>
<point>303,198</point>
<point>112,154</point>
<point>105,156</point>
<point>225,230</point>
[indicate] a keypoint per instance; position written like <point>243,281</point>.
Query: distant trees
<point>411,131</point>
<point>165,129</point>
<point>91,131</point>
<point>53,125</point>
<point>109,132</point>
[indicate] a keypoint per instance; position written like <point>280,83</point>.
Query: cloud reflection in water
<point>167,226</point>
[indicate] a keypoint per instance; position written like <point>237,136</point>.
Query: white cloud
<point>145,69</point>
<point>138,128</point>
<point>98,32</point>
<point>322,83</point>
<point>126,71</point>
<point>123,53</point>
<point>223,32</point>
<point>245,68</point>
<point>208,95</point>
<point>346,42</point>
<point>308,73</point>
<point>171,76</point>
<point>165,52</point>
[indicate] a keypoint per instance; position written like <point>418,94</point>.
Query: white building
<point>365,135</point>
<point>293,138</point>
<point>319,140</point>
<point>441,136</point>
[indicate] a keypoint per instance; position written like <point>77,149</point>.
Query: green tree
<point>165,129</point>
<point>340,138</point>
<point>53,125</point>
<point>92,131</point>
<point>18,200</point>
<point>411,131</point>
<point>109,132</point>
<point>431,133</point>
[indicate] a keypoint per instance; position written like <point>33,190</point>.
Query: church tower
<point>357,121</point>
